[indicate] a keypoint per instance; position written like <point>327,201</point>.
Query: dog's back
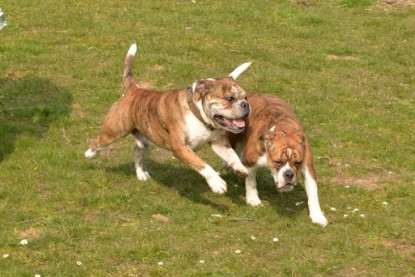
<point>267,111</point>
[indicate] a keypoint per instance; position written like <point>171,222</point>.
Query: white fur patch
<point>316,214</point>
<point>252,197</point>
<point>90,154</point>
<point>215,182</point>
<point>262,161</point>
<point>141,174</point>
<point>239,70</point>
<point>198,134</point>
<point>132,50</point>
<point>280,175</point>
<point>194,86</point>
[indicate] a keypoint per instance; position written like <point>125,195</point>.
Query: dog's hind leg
<point>141,144</point>
<point>117,124</point>
<point>103,140</point>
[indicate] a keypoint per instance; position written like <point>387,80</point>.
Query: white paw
<point>217,184</point>
<point>253,200</point>
<point>319,218</point>
<point>240,170</point>
<point>142,175</point>
<point>90,154</point>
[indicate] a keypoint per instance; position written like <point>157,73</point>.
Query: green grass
<point>347,68</point>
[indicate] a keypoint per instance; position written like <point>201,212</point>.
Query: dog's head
<point>222,103</point>
<point>285,157</point>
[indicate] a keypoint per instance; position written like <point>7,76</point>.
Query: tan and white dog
<point>179,120</point>
<point>274,138</point>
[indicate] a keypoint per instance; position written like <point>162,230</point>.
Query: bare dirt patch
<point>342,58</point>
<point>395,4</point>
<point>30,234</point>
<point>399,245</point>
<point>370,181</point>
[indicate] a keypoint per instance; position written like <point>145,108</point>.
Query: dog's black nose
<point>288,175</point>
<point>246,108</point>
<point>244,105</point>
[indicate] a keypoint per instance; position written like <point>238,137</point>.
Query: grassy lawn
<point>346,66</point>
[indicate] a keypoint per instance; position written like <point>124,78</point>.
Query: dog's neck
<point>196,111</point>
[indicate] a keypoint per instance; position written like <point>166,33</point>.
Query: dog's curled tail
<point>128,80</point>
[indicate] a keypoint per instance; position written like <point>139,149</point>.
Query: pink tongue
<point>238,123</point>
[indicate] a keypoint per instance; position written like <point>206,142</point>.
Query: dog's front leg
<point>316,214</point>
<point>252,197</point>
<point>223,149</point>
<point>186,155</point>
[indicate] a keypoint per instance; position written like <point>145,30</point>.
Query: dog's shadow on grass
<point>27,108</point>
<point>186,181</point>
<point>175,176</point>
<point>191,185</point>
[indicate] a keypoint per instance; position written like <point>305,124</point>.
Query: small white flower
<point>332,209</point>
<point>216,215</point>
<point>299,203</point>
<point>384,203</point>
<point>253,238</point>
<point>160,263</point>
<point>5,256</point>
<point>275,240</point>
<point>362,215</point>
<point>24,242</point>
<point>238,251</point>
<point>347,187</point>
<point>201,261</point>
<point>79,263</point>
<point>355,210</point>
<point>37,275</point>
<point>345,215</point>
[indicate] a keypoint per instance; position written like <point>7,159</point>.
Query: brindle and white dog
<point>180,120</point>
<point>274,138</point>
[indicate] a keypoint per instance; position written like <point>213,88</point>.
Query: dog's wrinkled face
<point>285,157</point>
<point>222,103</point>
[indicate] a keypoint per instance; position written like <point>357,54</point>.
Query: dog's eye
<point>230,99</point>
<point>278,163</point>
<point>298,163</point>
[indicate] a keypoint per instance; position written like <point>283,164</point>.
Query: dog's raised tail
<point>128,80</point>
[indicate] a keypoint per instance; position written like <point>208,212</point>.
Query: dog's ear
<point>269,137</point>
<point>238,71</point>
<point>200,88</point>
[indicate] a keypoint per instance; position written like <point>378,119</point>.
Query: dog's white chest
<point>262,161</point>
<point>197,133</point>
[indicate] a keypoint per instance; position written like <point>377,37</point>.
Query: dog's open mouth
<point>233,125</point>
<point>286,188</point>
